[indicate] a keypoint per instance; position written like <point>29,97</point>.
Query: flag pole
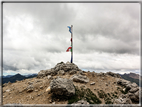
<point>72,44</point>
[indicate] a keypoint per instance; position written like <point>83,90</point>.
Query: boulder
<point>80,102</point>
<point>30,88</point>
<point>113,74</point>
<point>93,83</point>
<point>134,96</point>
<point>137,94</point>
<point>131,86</point>
<point>62,86</point>
<point>49,77</point>
<point>132,90</point>
<point>51,72</point>
<point>80,78</point>
<point>61,72</point>
<point>41,74</point>
<point>123,82</point>
<point>123,99</point>
<point>71,72</point>
<point>44,73</point>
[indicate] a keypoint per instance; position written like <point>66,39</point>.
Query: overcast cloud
<point>106,36</point>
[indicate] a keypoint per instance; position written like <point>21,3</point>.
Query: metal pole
<point>72,44</point>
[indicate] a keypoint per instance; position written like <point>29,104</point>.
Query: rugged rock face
<point>80,78</point>
<point>62,86</point>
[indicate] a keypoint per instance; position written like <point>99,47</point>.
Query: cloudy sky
<point>106,36</point>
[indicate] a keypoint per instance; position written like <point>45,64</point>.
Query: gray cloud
<point>36,35</point>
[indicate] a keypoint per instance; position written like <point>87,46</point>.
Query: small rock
<point>93,83</point>
<point>50,101</point>
<point>37,81</point>
<point>61,72</point>
<point>41,87</point>
<point>53,102</point>
<point>36,90</point>
<point>38,94</point>
<point>30,88</point>
<point>30,83</point>
<point>48,89</point>
<point>8,90</point>
<point>49,76</point>
<point>106,84</point>
<point>103,78</point>
<point>124,89</point>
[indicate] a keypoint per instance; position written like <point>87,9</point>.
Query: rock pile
<point>132,89</point>
<point>60,68</point>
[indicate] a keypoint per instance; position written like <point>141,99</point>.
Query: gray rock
<point>30,88</point>
<point>30,83</point>
<point>41,74</point>
<point>62,86</point>
<point>81,72</point>
<point>51,72</point>
<point>8,90</point>
<point>132,90</point>
<point>123,82</point>
<point>134,85</point>
<point>134,96</point>
<point>113,74</point>
<point>93,83</point>
<point>81,102</point>
<point>72,72</point>
<point>44,73</point>
<point>80,78</point>
<point>49,76</point>
<point>123,99</point>
<point>61,72</point>
<point>137,94</point>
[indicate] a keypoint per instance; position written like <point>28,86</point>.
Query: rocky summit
<point>67,84</point>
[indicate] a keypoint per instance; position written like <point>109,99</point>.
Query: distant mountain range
<point>132,77</point>
<point>19,77</point>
